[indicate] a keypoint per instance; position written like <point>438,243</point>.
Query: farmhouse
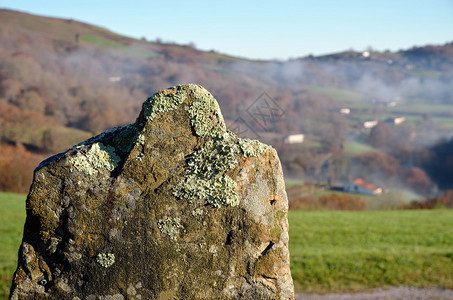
<point>369,124</point>
<point>114,78</point>
<point>360,186</point>
<point>396,120</point>
<point>391,104</point>
<point>293,139</point>
<point>345,111</point>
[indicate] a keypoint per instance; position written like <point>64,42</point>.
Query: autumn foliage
<point>302,198</point>
<point>418,180</point>
<point>444,201</point>
<point>16,167</point>
<point>342,202</point>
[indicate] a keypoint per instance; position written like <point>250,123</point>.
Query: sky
<point>252,29</point>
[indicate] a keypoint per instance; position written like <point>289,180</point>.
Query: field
<point>353,149</point>
<point>331,251</point>
<point>12,207</point>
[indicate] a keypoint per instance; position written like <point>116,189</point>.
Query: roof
<point>365,184</point>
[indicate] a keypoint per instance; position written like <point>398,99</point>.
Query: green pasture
<point>12,207</point>
<point>353,149</point>
<point>100,41</point>
<point>445,123</point>
<point>421,108</point>
<point>331,251</point>
<point>139,49</point>
<point>337,251</point>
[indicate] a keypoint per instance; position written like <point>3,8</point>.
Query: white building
<point>345,111</point>
<point>369,124</point>
<point>115,79</point>
<point>294,139</point>
<point>396,120</point>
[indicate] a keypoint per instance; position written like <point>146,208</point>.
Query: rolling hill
<point>62,81</point>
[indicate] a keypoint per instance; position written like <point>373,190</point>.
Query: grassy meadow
<point>12,207</point>
<point>337,251</point>
<point>331,251</point>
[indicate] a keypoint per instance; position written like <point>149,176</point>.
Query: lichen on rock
<point>253,148</point>
<point>98,156</point>
<point>105,259</point>
<point>205,113</point>
<point>217,191</point>
<point>170,227</point>
<point>206,176</point>
<point>163,101</point>
<point>222,191</point>
<point>216,157</point>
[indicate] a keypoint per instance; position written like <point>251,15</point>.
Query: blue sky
<point>265,29</point>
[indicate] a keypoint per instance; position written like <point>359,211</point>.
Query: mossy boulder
<point>173,206</point>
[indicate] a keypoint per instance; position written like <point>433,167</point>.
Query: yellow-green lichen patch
<point>163,101</point>
<point>205,177</point>
<point>105,259</point>
<point>99,156</point>
<point>169,227</point>
<point>191,188</point>
<point>222,191</point>
<point>253,147</point>
<point>216,157</point>
<point>141,139</point>
<point>197,212</point>
<point>205,114</point>
<point>217,191</point>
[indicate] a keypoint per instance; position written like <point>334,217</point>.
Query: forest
<point>62,81</point>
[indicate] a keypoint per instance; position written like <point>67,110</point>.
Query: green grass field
<point>12,207</point>
<point>353,149</point>
<point>331,251</point>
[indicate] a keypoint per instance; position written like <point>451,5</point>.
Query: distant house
<point>294,139</point>
<point>391,104</point>
<point>114,78</point>
<point>396,120</point>
<point>345,111</point>
<point>360,186</point>
<point>369,124</point>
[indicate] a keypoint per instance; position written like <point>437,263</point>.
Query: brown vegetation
<point>445,201</point>
<point>16,167</point>
<point>342,202</point>
<point>418,180</point>
<point>302,197</point>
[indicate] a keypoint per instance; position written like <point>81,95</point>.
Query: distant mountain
<point>63,80</point>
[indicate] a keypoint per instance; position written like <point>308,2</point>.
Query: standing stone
<point>173,206</point>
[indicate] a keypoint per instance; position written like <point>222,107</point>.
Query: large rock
<point>173,206</point>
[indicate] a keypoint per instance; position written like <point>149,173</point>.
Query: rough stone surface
<point>173,206</point>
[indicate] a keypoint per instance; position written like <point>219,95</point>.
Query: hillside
<point>62,81</point>
<point>54,28</point>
